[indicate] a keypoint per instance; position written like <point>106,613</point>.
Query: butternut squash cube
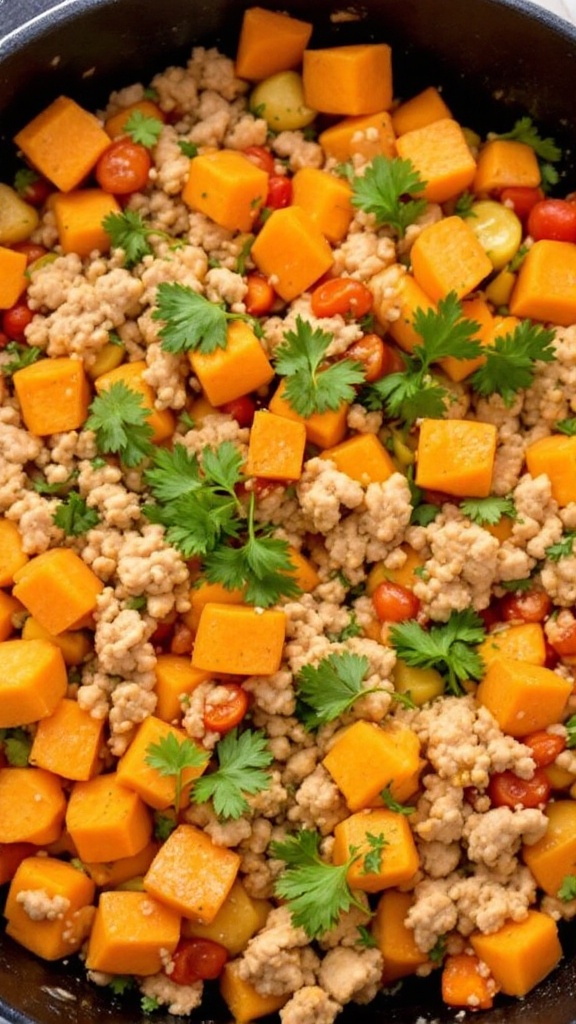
<point>175,678</point>
<point>59,935</point>
<point>12,554</point>
<point>555,457</point>
<point>326,199</point>
<point>352,80</point>
<point>553,856</point>
<point>442,158</point>
<point>192,874</point>
<point>292,251</point>
<point>276,448</point>
<point>210,593</point>
<point>242,999</point>
<point>269,42</point>
<point>394,939</point>
<point>365,759</point>
<point>447,257</point>
<point>107,820</point>
<point>75,644</point>
<point>456,456</point>
<point>32,806</point>
<point>521,953</point>
<point>10,610</point>
<point>63,142</point>
<point>131,374</point>
<point>79,216</point>
<point>524,642</point>
<point>134,772</point>
<point>111,874</point>
<point>33,680</point>
<point>409,297</point>
<point>69,742</point>
<point>53,395</point>
<point>239,640</point>
<point>241,367</point>
<point>399,859</point>
<point>238,919</point>
<point>363,458</point>
<point>419,111</point>
<point>505,163</point>
<point>131,934</point>
<point>12,278</point>
<point>369,135</point>
<point>523,698</point>
<point>58,589</point>
<point>545,285</point>
<point>324,429</point>
<point>226,187</point>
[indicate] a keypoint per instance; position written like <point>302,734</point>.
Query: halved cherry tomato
<point>562,638</point>
<point>521,198</point>
<point>4,339</point>
<point>36,192</point>
<point>371,351</point>
<point>533,606</point>
<point>279,192</point>
<point>394,603</point>
<point>553,219</point>
<point>196,959</point>
<point>228,714</point>
<point>261,157</point>
<point>15,320</point>
<point>242,409</point>
<point>343,296</point>
<point>505,789</point>
<point>123,167</point>
<point>545,746</point>
<point>182,640</point>
<point>31,251</point>
<point>260,296</point>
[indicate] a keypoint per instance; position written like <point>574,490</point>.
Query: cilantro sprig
<point>21,356</point>
<point>327,690</point>
<point>191,322</point>
<point>567,426</point>
<point>383,190</point>
<point>170,757</point>
<point>488,511</point>
<point>563,548</point>
<point>567,890</point>
<point>16,744</point>
<point>548,153</point>
<point>143,128</point>
<point>570,726</point>
<point>393,805</point>
<point>118,417</point>
<point>450,648</point>
<point>313,385</point>
<point>242,762</point>
<point>510,362</point>
<point>74,516</point>
<point>128,231</point>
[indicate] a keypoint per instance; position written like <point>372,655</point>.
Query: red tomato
<point>195,959</point>
<point>394,603</point>
<point>15,320</point>
<point>261,157</point>
<point>562,638</point>
<point>182,640</point>
<point>123,167</point>
<point>545,747</point>
<point>532,606</point>
<point>242,409</point>
<point>4,339</point>
<point>225,716</point>
<point>279,192</point>
<point>36,192</point>
<point>553,219</point>
<point>31,251</point>
<point>342,295</point>
<point>371,351</point>
<point>521,198</point>
<point>260,296</point>
<point>505,789</point>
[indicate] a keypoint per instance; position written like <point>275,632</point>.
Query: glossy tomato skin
<point>15,320</point>
<point>197,959</point>
<point>533,606</point>
<point>36,192</point>
<point>260,296</point>
<point>371,351</point>
<point>552,219</point>
<point>242,409</point>
<point>31,250</point>
<point>505,789</point>
<point>394,603</point>
<point>521,198</point>
<point>342,296</point>
<point>545,747</point>
<point>279,192</point>
<point>227,715</point>
<point>260,157</point>
<point>124,167</point>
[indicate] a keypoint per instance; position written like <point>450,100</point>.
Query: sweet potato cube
<point>134,772</point>
<point>59,934</point>
<point>191,874</point>
<point>58,589</point>
<point>326,199</point>
<point>107,820</point>
<point>442,158</point>
<point>292,251</point>
<point>10,610</point>
<point>238,919</point>
<point>32,806</point>
<point>12,279</point>
<point>363,458</point>
<point>524,642</point>
<point>79,216</point>
<point>131,934</point>
<point>553,856</point>
<point>523,698</point>
<point>545,289</point>
<point>243,1000</point>
<point>420,110</point>
<point>226,187</point>
<point>394,939</point>
<point>239,640</point>
<point>63,142</point>
<point>269,42</point>
<point>53,395</point>
<point>33,680</point>
<point>115,125</point>
<point>304,572</point>
<point>465,982</point>
<point>369,135</point>
<point>276,449</point>
<point>113,873</point>
<point>12,554</point>
<point>409,298</point>
<point>210,593</point>
<point>11,856</point>
<point>555,457</point>
<point>521,953</point>
<point>68,742</point>
<point>365,759</point>
<point>241,367</point>
<point>351,80</point>
<point>75,644</point>
<point>399,859</point>
<point>504,163</point>
<point>456,456</point>
<point>175,678</point>
<point>478,311</point>
<point>324,429</point>
<point>131,374</point>
<point>447,257</point>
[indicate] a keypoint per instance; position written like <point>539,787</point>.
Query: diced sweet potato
<point>113,873</point>
<point>366,758</point>
<point>241,367</point>
<point>276,448</point>
<point>395,941</point>
<point>399,859</point>
<point>447,257</point>
<point>409,297</point>
<point>53,395</point>
<point>115,125</point>
<point>363,458</point>
<point>75,644</point>
<point>58,589</point>
<point>553,856</point>
<point>11,856</point>
<point>465,983</point>
<point>131,374</point>
<point>270,42</point>
<point>191,874</point>
<point>238,919</point>
<point>456,457</point>
<point>420,110</point>
<point>242,999</point>
<point>369,135</point>
<point>239,640</point>
<point>10,611</point>
<point>324,429</point>
<point>304,573</point>
<point>545,285</point>
<point>12,554</point>
<point>107,820</point>
<point>63,142</point>
<point>32,806</point>
<point>66,891</point>
<point>210,593</point>
<point>521,953</point>
<point>555,456</point>
<point>523,698</point>
<point>33,680</point>
<point>131,934</point>
<point>134,772</point>
<point>505,163</point>
<point>175,678</point>
<point>478,311</point>
<point>524,642</point>
<point>12,279</point>
<point>441,156</point>
<point>79,216</point>
<point>69,742</point>
<point>292,250</point>
<point>226,187</point>
<point>351,80</point>
<point>326,198</point>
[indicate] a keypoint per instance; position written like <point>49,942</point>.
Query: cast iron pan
<point>496,61</point>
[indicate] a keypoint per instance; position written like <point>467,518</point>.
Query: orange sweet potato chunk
<point>521,953</point>
<point>243,1000</point>
<point>12,554</point>
<point>352,80</point>
<point>369,135</point>
<point>270,42</point>
<point>134,772</point>
<point>442,158</point>
<point>191,874</point>
<point>175,678</point>
<point>409,297</point>
<point>419,111</point>
<point>524,642</point>
<point>107,820</point>
<point>394,939</point>
<point>456,456</point>
<point>12,279</point>
<point>326,198</point>
<point>545,289</point>
<point>523,698</point>
<point>111,874</point>
<point>239,640</point>
<point>58,589</point>
<point>11,856</point>
<point>50,937</point>
<point>366,758</point>
<point>553,856</point>
<point>555,456</point>
<point>53,395</point>
<point>399,862</point>
<point>33,680</point>
<point>241,367</point>
<point>69,742</point>
<point>363,458</point>
<point>79,216</point>
<point>32,806</point>
<point>131,375</point>
<point>447,257</point>
<point>324,429</point>
<point>226,187</point>
<point>131,934</point>
<point>63,142</point>
<point>276,448</point>
<point>292,250</point>
<point>503,163</point>
<point>10,611</point>
<point>115,125</point>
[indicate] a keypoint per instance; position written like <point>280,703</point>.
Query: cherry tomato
<point>562,638</point>
<point>242,409</point>
<point>31,251</point>
<point>342,295</point>
<point>182,639</point>
<point>15,320</point>
<point>163,633</point>
<point>394,603</point>
<point>36,192</point>
<point>505,789</point>
<point>195,959</point>
<point>4,339</point>
<point>225,716</point>
<point>260,296</point>
<point>545,747</point>
<point>279,192</point>
<point>521,198</point>
<point>532,606</point>
<point>371,351</point>
<point>261,157</point>
<point>553,219</point>
<point>123,167</point>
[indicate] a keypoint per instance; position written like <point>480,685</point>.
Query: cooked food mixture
<point>288,511</point>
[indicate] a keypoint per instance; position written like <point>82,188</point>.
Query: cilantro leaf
<point>196,521</point>
<point>149,1004</point>
<point>518,586</point>
<point>143,128</point>
<point>127,231</point>
<point>393,804</point>
<point>510,362</point>
<point>570,726</point>
<point>192,322</point>
<point>488,510</point>
<point>164,825</point>
<point>449,648</point>
<point>173,473</point>
<point>563,548</point>
<point>188,148</point>
<point>119,420</point>
<point>464,204</point>
<point>382,191</point>
<point>525,131</point>
<point>23,178</point>
<point>331,687</point>
<point>170,757</point>
<point>22,355</point>
<point>445,332</point>
<point>567,890</point>
<point>74,517</point>
<point>372,860</point>
<point>243,758</point>
<point>312,386</point>
<point>567,426</point>
<point>16,744</point>
<point>120,984</point>
<point>366,938</point>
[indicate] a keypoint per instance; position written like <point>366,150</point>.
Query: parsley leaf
<point>567,890</point>
<point>449,648</point>
<point>22,355</point>
<point>128,231</point>
<point>488,510</point>
<point>16,744</point>
<point>170,757</point>
<point>243,758</point>
<point>393,804</point>
<point>143,128</point>
<point>328,689</point>
<point>567,426</point>
<point>74,517</point>
<point>119,420</point>
<point>192,322</point>
<point>383,188</point>
<point>174,473</point>
<point>563,548</point>
<point>312,386</point>
<point>510,361</point>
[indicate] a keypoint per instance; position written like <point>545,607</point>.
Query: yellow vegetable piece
<point>239,640</point>
<point>524,642</point>
<point>280,101</point>
<point>404,573</point>
<point>12,279</point>
<point>58,589</point>
<point>369,135</point>
<point>56,937</point>
<point>79,216</point>
<point>17,219</point>
<point>421,684</point>
<point>503,163</point>
<point>227,187</point>
<point>175,678</point>
<point>553,856</point>
<point>366,758</point>
<point>269,42</point>
<point>498,230</point>
<point>545,285</point>
<point>241,367</point>
<point>132,934</point>
<point>447,257</point>
<point>399,861</point>
<point>394,940</point>
<point>363,458</point>
<point>555,457</point>
<point>419,111</point>
<point>192,874</point>
<point>74,643</point>
<point>53,395</point>
<point>108,358</point>
<point>32,806</point>
<point>276,448</point>
<point>326,199</point>
<point>162,421</point>
<point>134,772</point>
<point>522,697</point>
<point>32,681</point>
<point>242,999</point>
<point>104,818</point>
<point>69,742</point>
<point>456,456</point>
<point>63,142</point>
<point>441,156</point>
<point>238,919</point>
<point>292,251</point>
<point>324,429</point>
<point>521,953</point>
<point>348,79</point>
<point>500,288</point>
<point>12,554</point>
